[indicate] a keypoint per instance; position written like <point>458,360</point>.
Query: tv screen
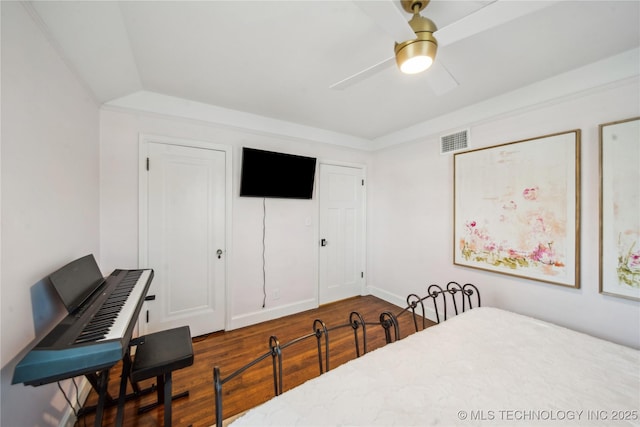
<point>76,281</point>
<point>270,174</point>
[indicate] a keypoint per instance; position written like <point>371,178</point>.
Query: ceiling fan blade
<point>494,14</point>
<point>440,79</point>
<point>388,16</point>
<point>362,75</point>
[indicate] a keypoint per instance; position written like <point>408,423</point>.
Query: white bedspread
<point>484,367</point>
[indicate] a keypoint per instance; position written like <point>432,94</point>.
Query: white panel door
<point>341,273</point>
<point>186,238</point>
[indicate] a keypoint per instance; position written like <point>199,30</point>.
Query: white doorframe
<point>363,167</point>
<point>143,178</point>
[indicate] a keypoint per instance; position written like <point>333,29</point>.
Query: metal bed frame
<point>461,298</point>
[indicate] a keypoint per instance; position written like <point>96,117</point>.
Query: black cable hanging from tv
<point>264,271</point>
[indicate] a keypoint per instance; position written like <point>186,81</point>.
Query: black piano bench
<point>158,355</point>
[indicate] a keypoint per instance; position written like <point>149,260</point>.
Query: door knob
<point>323,242</point>
<point>219,253</point>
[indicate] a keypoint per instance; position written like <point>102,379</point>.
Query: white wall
<point>411,218</point>
<point>51,211</point>
<point>50,208</point>
<point>291,225</point>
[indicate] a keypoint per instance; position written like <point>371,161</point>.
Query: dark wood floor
<point>230,350</point>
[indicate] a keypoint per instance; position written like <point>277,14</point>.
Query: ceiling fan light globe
<point>416,65</point>
<point>415,56</point>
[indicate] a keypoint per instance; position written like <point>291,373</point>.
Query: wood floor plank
<point>232,349</point>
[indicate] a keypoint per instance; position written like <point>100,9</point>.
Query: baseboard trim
<point>400,301</point>
<point>270,314</point>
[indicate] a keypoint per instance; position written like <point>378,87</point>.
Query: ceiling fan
<point>421,34</point>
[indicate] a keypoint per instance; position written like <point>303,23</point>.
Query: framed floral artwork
<point>516,208</point>
<point>620,208</point>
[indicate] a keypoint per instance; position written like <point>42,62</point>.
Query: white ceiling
<point>278,58</point>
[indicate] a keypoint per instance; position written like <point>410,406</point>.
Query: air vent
<point>454,141</point>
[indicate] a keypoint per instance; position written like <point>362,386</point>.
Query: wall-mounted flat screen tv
<point>278,175</point>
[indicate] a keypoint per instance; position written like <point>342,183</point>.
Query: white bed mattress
<point>483,367</point>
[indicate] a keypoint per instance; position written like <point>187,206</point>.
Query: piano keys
<point>93,337</point>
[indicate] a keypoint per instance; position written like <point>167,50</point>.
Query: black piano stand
<point>158,355</point>
<point>99,381</point>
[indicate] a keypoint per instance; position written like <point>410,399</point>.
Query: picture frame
<point>620,208</point>
<point>516,208</point>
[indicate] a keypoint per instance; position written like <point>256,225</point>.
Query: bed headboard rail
<point>320,331</point>
<point>275,352</point>
<point>454,297</point>
<point>463,297</point>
